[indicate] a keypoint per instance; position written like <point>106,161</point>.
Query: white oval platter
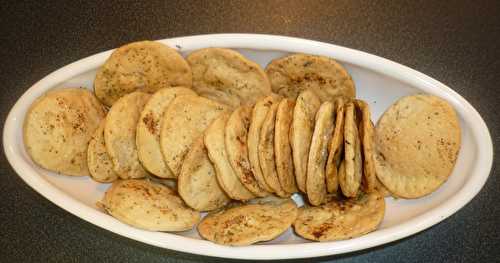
<point>379,81</point>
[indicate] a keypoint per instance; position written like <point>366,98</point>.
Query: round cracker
<point>301,132</point>
<point>120,133</point>
<point>226,76</point>
<point>338,220</point>
<point>350,179</point>
<point>185,119</point>
<point>148,130</point>
<point>214,142</point>
<point>197,183</point>
<point>148,205</point>
<point>336,149</point>
<point>258,115</point>
<point>366,134</point>
<point>417,143</point>
<point>318,154</point>
<point>99,162</point>
<point>58,127</point>
<point>144,66</point>
<point>294,73</point>
<point>266,152</point>
<point>236,131</point>
<point>248,224</point>
<point>282,149</point>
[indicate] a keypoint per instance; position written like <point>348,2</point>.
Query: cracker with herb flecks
<point>235,139</point>
<point>120,133</point>
<point>185,119</point>
<point>350,178</point>
<point>148,130</point>
<point>417,142</point>
<point>197,183</point>
<point>324,76</point>
<point>266,152</point>
<point>226,76</point>
<point>301,132</point>
<point>145,66</point>
<point>259,112</point>
<point>341,219</point>
<point>226,176</point>
<point>248,224</point>
<point>336,149</point>
<point>318,154</point>
<point>282,149</point>
<point>147,205</point>
<point>58,127</point>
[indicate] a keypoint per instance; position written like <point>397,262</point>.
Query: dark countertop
<point>456,42</point>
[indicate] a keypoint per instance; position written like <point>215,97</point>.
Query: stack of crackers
<point>217,133</point>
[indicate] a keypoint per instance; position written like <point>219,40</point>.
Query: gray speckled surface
<point>456,43</point>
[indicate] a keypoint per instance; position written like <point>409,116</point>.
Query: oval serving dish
<point>379,81</point>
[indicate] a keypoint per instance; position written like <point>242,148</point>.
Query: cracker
<point>120,133</point>
<point>236,131</point>
<point>58,127</point>
<point>185,119</point>
<point>301,131</point>
<point>266,152</point>
<point>197,183</point>
<point>417,142</point>
<point>318,154</point>
<point>366,134</point>
<point>341,219</point>
<point>140,66</point>
<point>297,72</point>
<point>227,178</point>
<point>282,149</point>
<point>336,149</point>
<point>148,205</point>
<point>99,162</point>
<point>258,115</point>
<point>248,224</point>
<point>226,76</point>
<point>148,130</point>
<point>350,179</point>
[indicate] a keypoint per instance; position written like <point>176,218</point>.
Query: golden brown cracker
<point>185,119</point>
<point>216,148</point>
<point>318,154</point>
<point>294,73</point>
<point>341,219</point>
<point>120,133</point>
<point>236,132</point>
<point>282,149</point>
<point>197,183</point>
<point>301,132</point>
<point>226,76</point>
<point>248,224</point>
<point>145,66</point>
<point>417,142</point>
